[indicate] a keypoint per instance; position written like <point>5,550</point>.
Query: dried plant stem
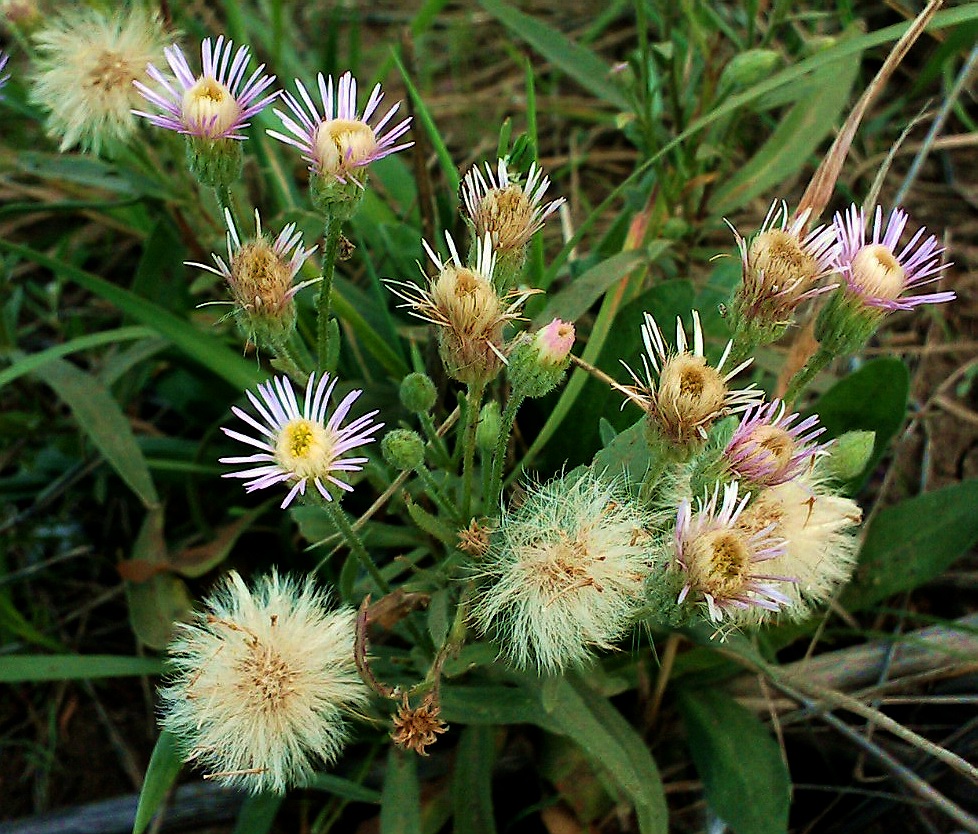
<point>662,679</point>
<point>900,771</point>
<point>331,242</point>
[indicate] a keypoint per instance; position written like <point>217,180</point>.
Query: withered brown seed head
<point>417,728</point>
<point>474,539</point>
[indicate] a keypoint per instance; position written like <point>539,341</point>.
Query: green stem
<point>287,361</point>
<point>331,235</point>
<point>356,545</point>
<point>438,446</point>
<point>801,379</point>
<point>223,193</point>
<point>474,404</point>
<point>436,494</point>
<point>499,453</point>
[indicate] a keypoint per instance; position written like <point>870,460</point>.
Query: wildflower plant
<point>512,527</point>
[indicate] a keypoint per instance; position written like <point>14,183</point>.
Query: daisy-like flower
<point>874,270</point>
<point>211,109</point>
<point>818,529</point>
<point>259,273</point>
<point>681,393</point>
<point>766,449</point>
<point>781,268</point>
<point>720,560</point>
<point>87,62</point>
<point>462,302</point>
<point>263,679</point>
<point>215,104</point>
<point>337,141</point>
<point>497,204</point>
<point>299,445</point>
<point>564,574</point>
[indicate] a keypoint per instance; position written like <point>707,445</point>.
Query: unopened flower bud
<point>537,364</point>
<point>418,393</point>
<point>490,422</point>
<point>403,449</point>
<point>749,67</point>
<point>848,455</point>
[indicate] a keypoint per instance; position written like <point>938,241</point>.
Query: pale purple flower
<point>299,444</point>
<point>766,449</point>
<point>214,105</point>
<point>336,140</point>
<point>876,272</point>
<point>720,559</point>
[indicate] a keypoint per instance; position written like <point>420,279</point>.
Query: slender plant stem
<point>499,452</point>
<point>801,379</point>
<point>356,545</point>
<point>473,406</point>
<point>223,193</point>
<point>331,243</point>
<point>434,439</point>
<point>287,361</point>
<point>435,493</point>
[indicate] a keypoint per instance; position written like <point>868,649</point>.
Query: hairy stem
<point>356,545</point>
<point>494,492</point>
<point>331,235</point>
<point>473,406</point>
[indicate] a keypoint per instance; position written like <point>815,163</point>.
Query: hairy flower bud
<point>403,449</point>
<point>418,393</point>
<point>537,363</point>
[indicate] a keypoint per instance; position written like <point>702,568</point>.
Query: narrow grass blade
<point>164,767</point>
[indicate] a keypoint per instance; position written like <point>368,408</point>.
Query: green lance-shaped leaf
<point>744,777</point>
<point>164,767</point>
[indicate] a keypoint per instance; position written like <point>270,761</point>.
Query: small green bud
<point>849,454</point>
<point>418,393</point>
<point>215,163</point>
<point>490,423</point>
<point>750,67</point>
<point>538,363</point>
<point>403,449</point>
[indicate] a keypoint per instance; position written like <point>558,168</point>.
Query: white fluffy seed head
<point>565,573</point>
<point>263,678</point>
<point>820,542</point>
<point>86,63</point>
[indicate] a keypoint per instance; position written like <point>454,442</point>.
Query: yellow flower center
<point>690,394</point>
<point>305,448</point>
<point>718,564</point>
<point>877,272</point>
<point>343,144</point>
<point>210,106</point>
<point>783,261</point>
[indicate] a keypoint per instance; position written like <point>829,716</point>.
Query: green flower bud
<point>418,393</point>
<point>749,67</point>
<point>403,449</point>
<point>537,364</point>
<point>490,423</point>
<point>848,455</point>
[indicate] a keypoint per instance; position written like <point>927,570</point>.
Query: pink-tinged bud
<point>554,342</point>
